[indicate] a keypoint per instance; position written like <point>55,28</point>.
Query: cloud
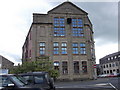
<point>104,17</point>
<point>15,58</point>
<point>15,21</point>
<point>84,0</point>
<point>104,50</point>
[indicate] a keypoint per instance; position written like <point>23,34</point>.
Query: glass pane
<point>55,44</point>
<point>42,43</point>
<point>59,26</point>
<point>75,44</point>
<point>39,79</point>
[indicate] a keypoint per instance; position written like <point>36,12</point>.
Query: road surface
<point>99,84</point>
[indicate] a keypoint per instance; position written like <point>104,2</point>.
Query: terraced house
<point>64,34</point>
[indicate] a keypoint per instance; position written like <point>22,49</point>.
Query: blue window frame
<point>42,44</point>
<point>42,48</point>
<point>64,44</point>
<point>75,50</point>
<point>82,50</point>
<point>55,44</point>
<point>77,27</point>
<point>75,44</point>
<point>55,48</point>
<point>56,51</point>
<point>64,50</point>
<point>59,26</point>
<point>82,44</point>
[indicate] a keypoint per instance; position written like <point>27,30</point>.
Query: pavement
<point>99,84</point>
<point>85,89</point>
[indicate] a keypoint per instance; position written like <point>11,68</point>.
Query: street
<point>100,83</point>
<point>115,82</point>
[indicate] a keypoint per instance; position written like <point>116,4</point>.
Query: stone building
<point>5,64</point>
<point>110,64</point>
<point>65,34</point>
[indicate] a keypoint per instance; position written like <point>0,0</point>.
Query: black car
<point>118,75</point>
<point>12,82</point>
<point>39,80</point>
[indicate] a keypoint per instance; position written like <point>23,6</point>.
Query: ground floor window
<point>64,67</point>
<point>117,70</point>
<point>104,72</point>
<point>76,67</point>
<point>111,72</point>
<point>84,66</point>
<point>56,65</point>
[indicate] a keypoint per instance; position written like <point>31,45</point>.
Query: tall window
<point>84,66</point>
<point>64,48</point>
<point>59,26</point>
<point>42,48</point>
<point>42,44</point>
<point>82,48</point>
<point>56,65</point>
<point>93,51</point>
<point>77,27</point>
<point>56,48</point>
<point>75,48</point>
<point>76,67</point>
<point>82,44</point>
<point>64,44</point>
<point>64,67</point>
<point>55,44</point>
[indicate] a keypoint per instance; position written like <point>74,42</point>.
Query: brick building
<point>65,34</point>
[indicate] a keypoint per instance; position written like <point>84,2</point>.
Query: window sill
<point>60,36</point>
<point>79,36</point>
<point>55,54</point>
<point>75,54</point>
<point>63,54</point>
<point>83,54</point>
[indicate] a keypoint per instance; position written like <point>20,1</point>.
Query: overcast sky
<point>16,18</point>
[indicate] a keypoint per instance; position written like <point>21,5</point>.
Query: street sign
<point>94,66</point>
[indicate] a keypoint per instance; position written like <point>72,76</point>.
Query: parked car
<point>12,82</point>
<point>39,80</point>
<point>102,76</point>
<point>118,75</point>
<point>112,75</point>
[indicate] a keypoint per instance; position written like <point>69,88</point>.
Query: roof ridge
<point>69,3</point>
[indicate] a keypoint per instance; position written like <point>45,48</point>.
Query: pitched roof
<point>69,3</point>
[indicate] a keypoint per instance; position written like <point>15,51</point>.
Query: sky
<point>16,18</point>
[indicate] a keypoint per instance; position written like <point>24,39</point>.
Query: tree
<point>40,64</point>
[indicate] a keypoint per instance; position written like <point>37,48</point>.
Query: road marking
<point>102,84</point>
<point>113,86</point>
